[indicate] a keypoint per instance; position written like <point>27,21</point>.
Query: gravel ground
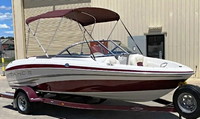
<point>46,111</point>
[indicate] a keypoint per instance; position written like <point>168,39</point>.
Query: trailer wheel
<point>23,104</point>
<point>186,100</point>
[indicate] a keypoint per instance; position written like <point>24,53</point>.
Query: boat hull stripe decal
<point>89,68</point>
<point>107,85</point>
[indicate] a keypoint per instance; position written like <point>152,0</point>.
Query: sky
<point>6,23</point>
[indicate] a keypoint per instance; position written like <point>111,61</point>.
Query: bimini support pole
<point>55,33</point>
<point>98,41</point>
<point>34,35</point>
<point>84,38</point>
<point>112,30</point>
<point>114,42</point>
<point>93,57</point>
<point>131,37</point>
<point>95,21</point>
<point>27,42</point>
<point>91,32</point>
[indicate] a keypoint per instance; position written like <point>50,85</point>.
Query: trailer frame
<point>33,96</point>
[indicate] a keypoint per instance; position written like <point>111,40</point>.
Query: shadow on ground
<point>69,113</point>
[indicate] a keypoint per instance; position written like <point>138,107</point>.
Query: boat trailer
<point>29,96</point>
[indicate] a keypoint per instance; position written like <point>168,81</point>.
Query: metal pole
<point>131,37</point>
<point>34,35</point>
<point>54,34</point>
<point>3,64</point>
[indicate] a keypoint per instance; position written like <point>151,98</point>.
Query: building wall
<point>178,18</point>
<point>19,32</point>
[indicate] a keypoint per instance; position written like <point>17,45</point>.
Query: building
<point>171,28</point>
<point>7,44</point>
<point>7,47</point>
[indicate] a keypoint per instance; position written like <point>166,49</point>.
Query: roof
<point>85,15</point>
<point>7,41</point>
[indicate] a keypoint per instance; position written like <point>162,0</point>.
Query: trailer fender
<point>31,94</point>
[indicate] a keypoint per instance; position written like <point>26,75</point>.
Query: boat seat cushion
<point>136,60</point>
<point>111,61</point>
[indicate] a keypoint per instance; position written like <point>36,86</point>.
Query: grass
<point>6,61</point>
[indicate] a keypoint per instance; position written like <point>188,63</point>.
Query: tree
<point>11,38</point>
<point>2,37</point>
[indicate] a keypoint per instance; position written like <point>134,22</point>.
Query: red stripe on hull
<point>107,85</point>
<point>35,66</point>
<point>88,68</point>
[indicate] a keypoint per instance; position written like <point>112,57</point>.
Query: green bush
<point>6,61</point>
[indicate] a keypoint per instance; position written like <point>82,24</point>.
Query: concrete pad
<point>194,81</point>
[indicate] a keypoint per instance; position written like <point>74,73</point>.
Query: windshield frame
<point>109,52</point>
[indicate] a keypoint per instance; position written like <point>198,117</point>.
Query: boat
<point>103,68</point>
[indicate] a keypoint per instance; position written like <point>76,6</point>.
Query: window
<point>155,46</point>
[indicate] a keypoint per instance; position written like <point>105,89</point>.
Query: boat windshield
<point>97,48</point>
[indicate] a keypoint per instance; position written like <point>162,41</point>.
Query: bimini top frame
<point>84,16</point>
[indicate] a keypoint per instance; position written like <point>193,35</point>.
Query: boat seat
<point>136,60</point>
<point>111,61</point>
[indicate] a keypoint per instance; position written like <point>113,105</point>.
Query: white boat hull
<point>97,80</point>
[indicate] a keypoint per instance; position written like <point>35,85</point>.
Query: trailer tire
<point>24,106</point>
<point>186,100</point>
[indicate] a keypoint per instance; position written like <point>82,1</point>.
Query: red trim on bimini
<point>87,68</point>
<point>108,85</point>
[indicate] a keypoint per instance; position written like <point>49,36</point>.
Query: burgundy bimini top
<point>85,15</point>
